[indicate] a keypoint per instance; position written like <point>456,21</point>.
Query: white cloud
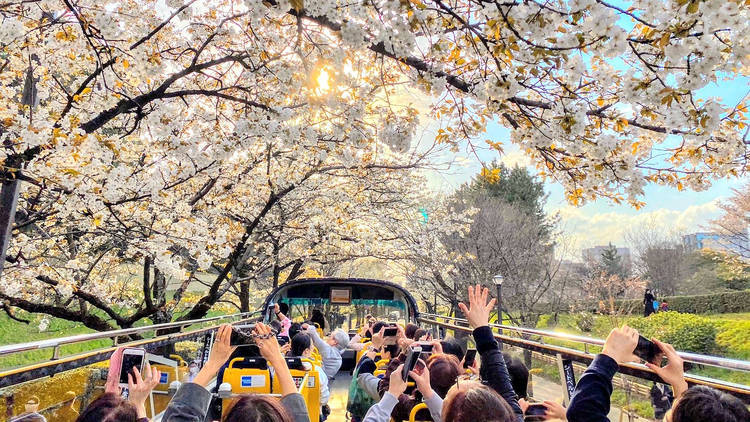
<point>589,229</point>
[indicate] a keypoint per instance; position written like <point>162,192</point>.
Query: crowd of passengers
<point>493,388</point>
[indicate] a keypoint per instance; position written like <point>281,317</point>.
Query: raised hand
<point>140,387</point>
<point>378,339</point>
<point>620,344</point>
<point>478,311</point>
<point>673,372</point>
<point>422,379</point>
<point>267,343</point>
<point>554,410</point>
<point>397,385</point>
<point>221,351</point>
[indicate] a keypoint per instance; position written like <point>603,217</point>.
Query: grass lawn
<point>732,339</point>
<point>12,332</point>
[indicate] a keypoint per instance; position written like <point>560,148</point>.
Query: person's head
<point>284,308</point>
<point>318,318</point>
<point>470,401</point>
<point>422,335</point>
<point>295,328</point>
<point>519,375</point>
<point>109,407</point>
<point>32,404</point>
<point>257,408</point>
<point>194,367</point>
<point>706,404</point>
<point>451,346</point>
<point>301,345</point>
<point>444,371</point>
<point>410,329</point>
<point>338,339</point>
<point>390,351</point>
<point>275,325</point>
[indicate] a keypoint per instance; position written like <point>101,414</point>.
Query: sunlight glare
<point>323,81</point>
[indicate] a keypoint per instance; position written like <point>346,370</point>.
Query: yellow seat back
<point>310,391</point>
<point>414,410</point>
<point>362,352</point>
<point>382,363</point>
<point>246,375</point>
<point>161,391</point>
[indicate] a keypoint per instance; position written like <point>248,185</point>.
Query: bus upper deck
<point>344,303</point>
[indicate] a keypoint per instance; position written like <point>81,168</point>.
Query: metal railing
<point>57,364</point>
<point>526,342</point>
<point>716,361</point>
<point>113,334</point>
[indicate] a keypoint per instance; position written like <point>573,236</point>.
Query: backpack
<point>358,402</point>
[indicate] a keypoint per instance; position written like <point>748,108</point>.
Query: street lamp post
<point>498,280</point>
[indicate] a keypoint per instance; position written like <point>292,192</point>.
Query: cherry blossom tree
<point>177,136</point>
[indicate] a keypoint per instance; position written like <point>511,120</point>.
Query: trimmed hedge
<point>717,303</point>
<point>686,332</point>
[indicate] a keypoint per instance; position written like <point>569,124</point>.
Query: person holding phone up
<point>190,403</point>
<point>111,405</point>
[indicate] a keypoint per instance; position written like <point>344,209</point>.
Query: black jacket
<point>494,372</point>
<point>590,401</point>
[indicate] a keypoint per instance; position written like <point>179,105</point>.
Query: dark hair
<point>420,333</point>
<point>477,403</point>
<point>257,408</point>
<point>451,346</point>
<point>109,407</point>
<point>284,308</point>
<point>295,328</point>
<point>519,375</point>
<point>376,327</point>
<point>318,318</point>
<point>275,325</point>
<point>444,371</point>
<point>410,330</point>
<point>300,343</point>
<point>702,403</point>
<point>392,349</point>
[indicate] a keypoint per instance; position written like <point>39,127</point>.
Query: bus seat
<point>415,410</point>
<point>382,363</point>
<point>246,375</point>
<point>311,390</point>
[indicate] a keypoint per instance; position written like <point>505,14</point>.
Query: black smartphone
<point>390,332</point>
<point>282,340</point>
<point>648,351</point>
<point>426,347</point>
<point>410,362</point>
<point>242,335</point>
<point>535,412</point>
<point>469,358</point>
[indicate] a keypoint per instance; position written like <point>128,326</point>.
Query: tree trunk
<point>8,201</point>
<point>245,296</point>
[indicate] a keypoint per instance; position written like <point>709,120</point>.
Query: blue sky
<point>602,221</point>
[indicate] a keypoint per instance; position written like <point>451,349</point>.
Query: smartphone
<point>390,332</point>
<point>411,362</point>
<point>469,358</point>
<point>648,350</point>
<point>426,347</point>
<point>242,335</point>
<point>271,311</point>
<point>282,340</point>
<point>535,412</point>
<point>131,358</point>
